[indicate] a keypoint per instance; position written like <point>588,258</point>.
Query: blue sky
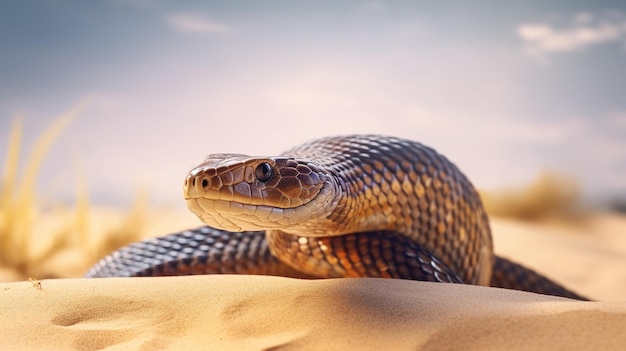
<point>504,89</point>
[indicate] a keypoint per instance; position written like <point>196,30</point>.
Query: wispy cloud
<point>195,23</point>
<point>581,30</point>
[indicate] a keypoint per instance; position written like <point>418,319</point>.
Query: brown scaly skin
<point>361,205</point>
<point>207,250</point>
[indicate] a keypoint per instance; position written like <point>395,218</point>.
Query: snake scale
<point>346,206</point>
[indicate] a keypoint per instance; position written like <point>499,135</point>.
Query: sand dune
<point>254,312</point>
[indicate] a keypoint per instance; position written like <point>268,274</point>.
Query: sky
<point>503,89</point>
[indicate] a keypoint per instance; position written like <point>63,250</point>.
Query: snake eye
<point>263,172</point>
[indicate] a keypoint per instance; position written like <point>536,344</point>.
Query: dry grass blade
<point>7,217</point>
<point>18,210</point>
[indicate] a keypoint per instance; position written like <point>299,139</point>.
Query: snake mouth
<point>238,216</point>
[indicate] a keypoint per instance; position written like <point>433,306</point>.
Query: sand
<point>254,312</point>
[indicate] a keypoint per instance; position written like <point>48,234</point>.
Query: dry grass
<point>18,211</point>
<point>130,228</point>
<point>550,196</point>
<point>28,242</point>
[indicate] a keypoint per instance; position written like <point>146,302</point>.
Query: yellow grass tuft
<point>18,210</point>
<point>550,196</point>
<point>64,242</point>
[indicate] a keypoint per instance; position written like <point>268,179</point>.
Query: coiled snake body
<point>348,206</point>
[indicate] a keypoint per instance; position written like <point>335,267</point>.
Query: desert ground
<point>60,310</point>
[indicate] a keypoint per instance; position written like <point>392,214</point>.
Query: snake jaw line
<point>233,216</point>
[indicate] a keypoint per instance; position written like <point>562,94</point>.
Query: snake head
<point>238,192</point>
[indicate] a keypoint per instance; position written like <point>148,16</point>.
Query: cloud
<point>581,31</point>
<point>194,23</point>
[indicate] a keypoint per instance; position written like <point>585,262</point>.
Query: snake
<point>335,207</point>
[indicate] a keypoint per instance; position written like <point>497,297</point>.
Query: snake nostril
<point>205,183</point>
